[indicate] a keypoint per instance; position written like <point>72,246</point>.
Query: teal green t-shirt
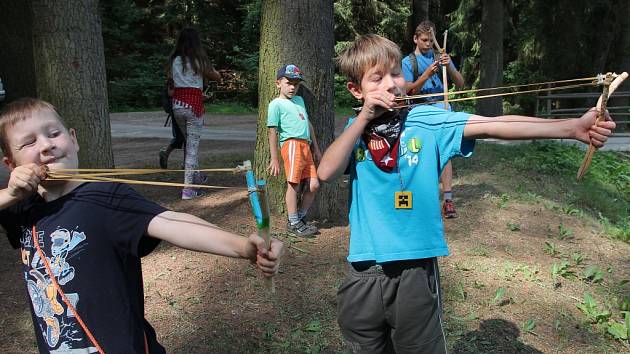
<point>290,118</point>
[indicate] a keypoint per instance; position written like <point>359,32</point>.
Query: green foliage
<point>593,274</point>
<point>529,326</point>
<point>592,310</point>
<point>562,269</point>
<point>550,248</point>
<point>513,226</point>
<point>498,296</point>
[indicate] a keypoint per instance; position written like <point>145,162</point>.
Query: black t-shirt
<point>93,238</point>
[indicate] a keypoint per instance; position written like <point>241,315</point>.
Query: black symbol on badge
<point>403,200</point>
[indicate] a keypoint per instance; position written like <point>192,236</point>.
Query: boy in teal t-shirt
<point>287,118</point>
<point>390,300</point>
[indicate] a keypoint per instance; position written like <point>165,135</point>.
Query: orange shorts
<point>298,160</point>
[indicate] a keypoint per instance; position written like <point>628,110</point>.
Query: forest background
<point>542,41</point>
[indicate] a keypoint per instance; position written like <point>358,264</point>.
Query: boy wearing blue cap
<point>288,120</point>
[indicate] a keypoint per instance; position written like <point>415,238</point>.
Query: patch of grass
<point>230,107</point>
<point>481,251</point>
<point>545,171</point>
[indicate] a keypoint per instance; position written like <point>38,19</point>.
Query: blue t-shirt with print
<point>434,83</point>
<point>380,232</point>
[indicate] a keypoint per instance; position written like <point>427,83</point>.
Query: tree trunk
<point>491,61</point>
<point>419,13</point>
<point>70,72</point>
<point>16,49</point>
<point>297,32</point>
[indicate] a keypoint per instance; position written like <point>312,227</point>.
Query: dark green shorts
<point>392,307</point>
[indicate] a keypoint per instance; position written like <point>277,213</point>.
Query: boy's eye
<point>27,143</point>
<point>54,133</point>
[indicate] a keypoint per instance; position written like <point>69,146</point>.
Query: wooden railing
<point>560,105</point>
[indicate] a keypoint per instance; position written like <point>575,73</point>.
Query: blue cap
<point>290,71</point>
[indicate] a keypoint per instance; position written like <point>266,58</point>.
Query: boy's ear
<point>355,90</point>
<point>73,136</point>
<point>9,163</point>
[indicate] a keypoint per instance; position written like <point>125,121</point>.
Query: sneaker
<point>448,209</point>
<point>163,159</point>
<point>309,223</point>
<point>301,229</point>
<point>190,193</point>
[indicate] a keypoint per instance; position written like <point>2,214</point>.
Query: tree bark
<point>419,13</point>
<point>16,49</point>
<point>491,61</point>
<point>70,72</point>
<point>298,32</point>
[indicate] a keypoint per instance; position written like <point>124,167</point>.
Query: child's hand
<point>587,132</point>
<point>445,59</point>
<point>25,179</point>
<point>431,69</point>
<point>376,103</point>
<point>266,260</point>
<point>274,167</point>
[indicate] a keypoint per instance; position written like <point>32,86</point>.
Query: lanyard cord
<point>63,295</point>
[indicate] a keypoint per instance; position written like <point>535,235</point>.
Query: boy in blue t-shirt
<point>430,82</point>
<point>391,298</point>
<point>287,117</point>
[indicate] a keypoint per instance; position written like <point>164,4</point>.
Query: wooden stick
<point>445,74</point>
<point>609,88</point>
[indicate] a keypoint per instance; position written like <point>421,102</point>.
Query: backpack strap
<point>414,65</point>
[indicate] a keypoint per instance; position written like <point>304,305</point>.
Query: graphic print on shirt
<point>410,148</point>
<point>55,320</point>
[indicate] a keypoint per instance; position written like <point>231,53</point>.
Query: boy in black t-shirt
<point>81,243</point>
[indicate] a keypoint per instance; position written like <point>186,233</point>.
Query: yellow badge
<point>414,145</point>
<point>402,200</point>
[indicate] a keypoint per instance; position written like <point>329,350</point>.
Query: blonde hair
<point>366,52</point>
<point>425,27</point>
<point>18,111</point>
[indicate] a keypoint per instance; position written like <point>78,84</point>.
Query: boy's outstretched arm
<point>190,232</point>
<point>23,182</point>
<point>274,163</point>
<point>513,127</point>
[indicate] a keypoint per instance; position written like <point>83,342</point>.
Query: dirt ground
<point>201,303</point>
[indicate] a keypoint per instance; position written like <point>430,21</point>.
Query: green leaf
<point>314,326</point>
<point>498,295</point>
<point>618,330</point>
<point>529,325</point>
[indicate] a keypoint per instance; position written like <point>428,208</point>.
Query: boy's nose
<point>46,144</point>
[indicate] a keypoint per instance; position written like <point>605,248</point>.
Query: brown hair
<point>189,48</point>
<point>365,52</point>
<point>18,111</point>
<point>425,27</point>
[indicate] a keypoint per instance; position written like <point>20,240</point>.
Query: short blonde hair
<point>425,27</point>
<point>366,52</point>
<point>18,111</point>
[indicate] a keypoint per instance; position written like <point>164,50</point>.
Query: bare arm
<point>23,182</point>
<point>190,232</point>
<point>211,74</point>
<point>454,74</point>
<point>274,164</point>
<point>317,153</point>
<point>514,127</point>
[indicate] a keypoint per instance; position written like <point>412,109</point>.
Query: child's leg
<point>447,177</point>
<point>360,313</point>
<point>194,125</point>
<point>293,190</point>
<point>448,207</point>
<point>308,196</point>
